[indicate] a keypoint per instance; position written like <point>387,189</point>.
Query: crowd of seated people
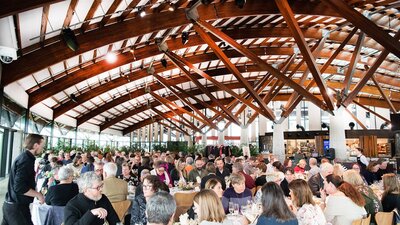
<point>286,190</point>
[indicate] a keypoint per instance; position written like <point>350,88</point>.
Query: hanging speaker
<point>69,38</point>
<point>395,121</point>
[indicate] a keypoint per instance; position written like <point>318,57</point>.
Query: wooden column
<point>369,144</point>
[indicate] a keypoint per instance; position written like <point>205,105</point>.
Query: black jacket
<point>209,176</point>
<point>77,211</point>
<point>225,173</point>
<point>316,182</point>
<point>22,179</point>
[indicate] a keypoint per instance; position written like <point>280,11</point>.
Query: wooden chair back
<point>121,208</point>
<point>365,221</point>
<point>384,218</point>
<point>183,202</point>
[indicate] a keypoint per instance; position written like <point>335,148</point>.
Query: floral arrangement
<point>184,220</point>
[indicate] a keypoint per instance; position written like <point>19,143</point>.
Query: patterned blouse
<point>310,215</point>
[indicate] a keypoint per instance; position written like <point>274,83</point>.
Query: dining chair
<point>183,202</point>
<point>384,218</point>
<point>121,208</point>
<point>364,221</point>
<point>253,191</point>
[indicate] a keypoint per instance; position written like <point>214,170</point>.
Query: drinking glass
<point>231,207</point>
<point>236,209</point>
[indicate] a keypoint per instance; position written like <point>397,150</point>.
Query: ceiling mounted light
<point>164,62</point>
<point>240,3</point>
<point>142,12</point>
<point>73,98</point>
<point>111,57</point>
<point>185,37</point>
<point>69,37</point>
<point>171,7</point>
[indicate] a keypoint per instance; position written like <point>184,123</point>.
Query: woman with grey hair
<point>90,207</point>
<point>61,193</point>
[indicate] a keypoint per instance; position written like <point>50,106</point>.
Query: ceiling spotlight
<point>69,37</point>
<point>366,67</point>
<point>222,44</point>
<point>240,3</point>
<point>164,62</point>
<point>111,57</point>
<point>185,37</point>
<point>73,98</point>
<point>171,7</point>
<point>142,12</point>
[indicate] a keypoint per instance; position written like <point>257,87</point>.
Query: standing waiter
<point>21,184</point>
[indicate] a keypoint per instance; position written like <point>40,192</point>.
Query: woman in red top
<point>300,166</point>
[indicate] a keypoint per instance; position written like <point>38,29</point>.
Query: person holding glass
<point>307,212</point>
<point>275,211</point>
<point>237,194</point>
<point>60,194</point>
<point>151,185</point>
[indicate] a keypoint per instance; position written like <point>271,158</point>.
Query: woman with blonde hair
<point>390,198</point>
<point>372,203</point>
<point>209,209</point>
<point>307,212</point>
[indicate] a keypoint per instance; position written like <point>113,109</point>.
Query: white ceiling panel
<point>55,18</point>
<point>81,10</point>
<point>30,22</point>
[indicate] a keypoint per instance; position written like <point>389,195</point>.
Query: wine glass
<point>236,209</point>
<point>231,207</point>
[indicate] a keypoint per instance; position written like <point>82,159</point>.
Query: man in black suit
<point>221,170</point>
<point>210,168</point>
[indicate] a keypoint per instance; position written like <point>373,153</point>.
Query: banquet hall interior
<point>258,88</point>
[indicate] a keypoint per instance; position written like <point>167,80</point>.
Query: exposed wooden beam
<point>355,58</point>
<point>316,50</point>
<point>371,111</point>
<point>43,26</point>
<point>158,112</point>
<point>232,68</point>
<point>204,89</point>
<point>263,65</point>
<point>391,106</point>
<point>287,13</point>
<point>356,119</point>
<point>171,87</point>
<point>366,25</point>
<point>368,75</point>
<point>110,12</point>
<point>17,6</point>
<point>281,97</point>
<point>70,13</point>
<point>58,51</point>
<point>128,10</point>
<point>287,111</point>
<point>89,15</point>
<point>169,105</point>
<point>215,82</point>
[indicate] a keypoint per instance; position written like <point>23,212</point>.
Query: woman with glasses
<point>151,185</point>
<point>90,206</point>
